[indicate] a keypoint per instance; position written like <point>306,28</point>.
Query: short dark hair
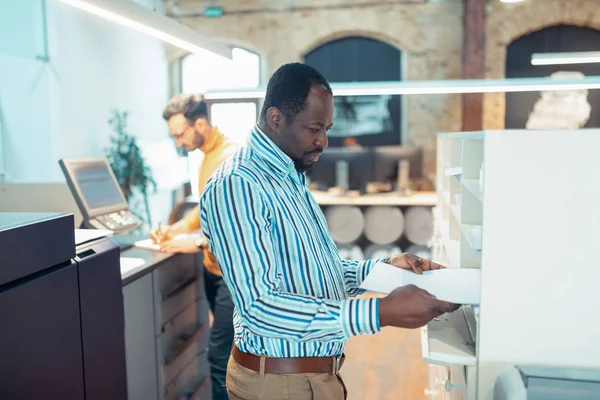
<point>191,106</point>
<point>288,89</point>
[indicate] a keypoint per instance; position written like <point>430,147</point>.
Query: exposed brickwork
<point>430,35</point>
<point>507,22</point>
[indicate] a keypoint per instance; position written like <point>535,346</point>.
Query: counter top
<point>428,199</point>
<point>152,259</point>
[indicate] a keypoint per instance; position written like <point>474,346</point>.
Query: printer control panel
<point>116,221</point>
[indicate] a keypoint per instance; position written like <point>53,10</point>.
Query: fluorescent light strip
<point>434,87</point>
<point>587,57</point>
<point>142,19</point>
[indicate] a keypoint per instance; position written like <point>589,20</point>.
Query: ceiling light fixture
<point>434,87</point>
<point>142,19</point>
<point>584,57</point>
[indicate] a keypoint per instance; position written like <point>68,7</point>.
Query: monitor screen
<point>366,164</point>
<point>95,184</point>
<point>360,165</point>
<point>387,158</point>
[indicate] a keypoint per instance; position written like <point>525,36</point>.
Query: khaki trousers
<point>246,384</point>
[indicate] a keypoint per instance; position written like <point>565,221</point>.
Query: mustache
<point>318,150</point>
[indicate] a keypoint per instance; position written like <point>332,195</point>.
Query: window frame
<point>176,87</point>
<point>211,102</point>
<point>177,81</point>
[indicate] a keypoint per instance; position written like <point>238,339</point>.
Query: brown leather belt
<point>292,365</point>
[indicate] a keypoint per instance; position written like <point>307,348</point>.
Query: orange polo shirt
<point>216,150</point>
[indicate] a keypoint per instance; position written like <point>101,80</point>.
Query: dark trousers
<point>221,334</point>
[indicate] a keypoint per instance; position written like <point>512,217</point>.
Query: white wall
<point>24,87</point>
<point>61,108</point>
<point>25,114</point>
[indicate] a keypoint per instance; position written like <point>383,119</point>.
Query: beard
<point>301,165</point>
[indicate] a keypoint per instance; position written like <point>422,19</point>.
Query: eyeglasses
<point>179,135</point>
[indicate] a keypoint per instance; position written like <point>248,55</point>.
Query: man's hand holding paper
<point>455,285</point>
<point>419,290</point>
<point>413,263</point>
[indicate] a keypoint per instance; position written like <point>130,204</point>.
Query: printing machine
<point>62,334</point>
<point>88,303</point>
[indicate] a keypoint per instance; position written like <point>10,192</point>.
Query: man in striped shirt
<point>290,288</point>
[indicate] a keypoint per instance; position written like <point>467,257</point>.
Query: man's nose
<point>322,141</point>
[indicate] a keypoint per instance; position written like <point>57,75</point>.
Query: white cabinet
<point>524,206</point>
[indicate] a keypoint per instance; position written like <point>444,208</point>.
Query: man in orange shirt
<point>187,118</point>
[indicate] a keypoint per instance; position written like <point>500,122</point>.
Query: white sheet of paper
<point>129,263</point>
<point>88,235</point>
<point>147,244</point>
<point>456,285</point>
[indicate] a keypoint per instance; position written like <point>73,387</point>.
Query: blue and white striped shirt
<point>289,286</point>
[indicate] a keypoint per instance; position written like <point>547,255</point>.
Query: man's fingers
<point>442,307</point>
<point>426,293</point>
<point>414,262</point>
<point>167,247</point>
<point>435,265</point>
<point>429,265</point>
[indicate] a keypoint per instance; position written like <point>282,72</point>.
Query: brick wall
<point>507,22</point>
<point>429,33</point>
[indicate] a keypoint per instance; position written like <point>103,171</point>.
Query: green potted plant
<point>128,164</point>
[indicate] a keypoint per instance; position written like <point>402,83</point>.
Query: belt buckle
<point>336,364</point>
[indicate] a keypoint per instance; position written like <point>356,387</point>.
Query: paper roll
<point>346,223</point>
<point>418,225</point>
<point>383,224</point>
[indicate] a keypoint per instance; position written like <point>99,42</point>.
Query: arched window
<point>371,120</point>
<point>234,118</point>
<point>549,110</point>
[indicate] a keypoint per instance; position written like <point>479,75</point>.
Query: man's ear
<point>201,125</point>
<point>275,119</point>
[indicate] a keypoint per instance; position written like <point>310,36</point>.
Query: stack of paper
<point>456,285</point>
<point>147,244</point>
<point>83,236</point>
<point>130,263</point>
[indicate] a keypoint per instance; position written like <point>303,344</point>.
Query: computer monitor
<point>360,167</point>
<point>98,194</point>
<point>386,159</point>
